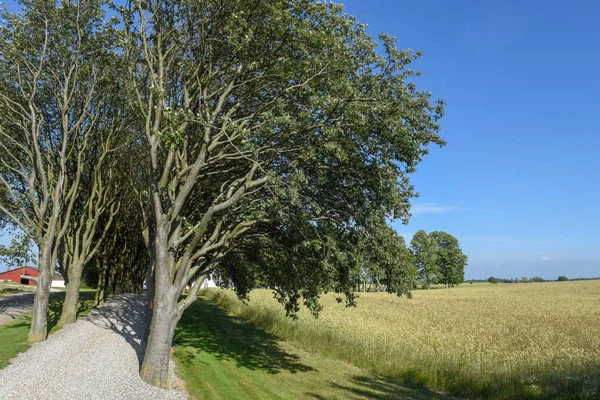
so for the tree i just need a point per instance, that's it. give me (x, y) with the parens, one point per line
(95, 208)
(279, 122)
(450, 259)
(19, 253)
(382, 260)
(562, 278)
(52, 70)
(491, 279)
(424, 248)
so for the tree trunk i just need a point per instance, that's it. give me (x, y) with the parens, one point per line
(112, 282)
(39, 320)
(99, 299)
(149, 300)
(155, 367)
(70, 306)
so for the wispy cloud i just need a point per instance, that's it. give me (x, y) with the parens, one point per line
(546, 259)
(432, 208)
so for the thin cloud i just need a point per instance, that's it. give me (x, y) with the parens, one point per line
(431, 208)
(434, 208)
(546, 259)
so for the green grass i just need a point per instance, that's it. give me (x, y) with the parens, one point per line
(13, 334)
(7, 288)
(219, 356)
(535, 341)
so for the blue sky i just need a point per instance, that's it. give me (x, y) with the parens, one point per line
(518, 182)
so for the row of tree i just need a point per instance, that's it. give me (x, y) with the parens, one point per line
(524, 279)
(255, 141)
(434, 258)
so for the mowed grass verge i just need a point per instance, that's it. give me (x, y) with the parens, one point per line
(500, 341)
(13, 334)
(7, 289)
(219, 356)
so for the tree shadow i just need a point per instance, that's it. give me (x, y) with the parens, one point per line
(381, 387)
(206, 327)
(13, 306)
(55, 305)
(125, 315)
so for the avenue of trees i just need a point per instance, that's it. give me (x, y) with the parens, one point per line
(254, 141)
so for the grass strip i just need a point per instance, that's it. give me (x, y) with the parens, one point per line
(220, 356)
(13, 334)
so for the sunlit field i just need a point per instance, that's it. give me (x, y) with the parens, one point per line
(536, 340)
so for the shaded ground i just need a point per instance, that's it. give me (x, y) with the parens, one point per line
(221, 357)
(95, 358)
(14, 306)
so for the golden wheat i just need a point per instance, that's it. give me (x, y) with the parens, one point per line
(488, 340)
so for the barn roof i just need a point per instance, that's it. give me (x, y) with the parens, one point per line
(15, 269)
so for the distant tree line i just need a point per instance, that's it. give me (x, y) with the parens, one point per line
(524, 279)
(434, 258)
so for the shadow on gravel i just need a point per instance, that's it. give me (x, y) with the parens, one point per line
(13, 306)
(208, 328)
(125, 315)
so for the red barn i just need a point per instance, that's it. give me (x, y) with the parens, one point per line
(14, 275)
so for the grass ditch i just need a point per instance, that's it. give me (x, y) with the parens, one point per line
(220, 356)
(13, 334)
(486, 341)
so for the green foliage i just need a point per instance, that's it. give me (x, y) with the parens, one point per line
(387, 261)
(562, 278)
(450, 259)
(424, 249)
(19, 253)
(329, 121)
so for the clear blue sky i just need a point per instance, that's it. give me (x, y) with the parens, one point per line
(518, 183)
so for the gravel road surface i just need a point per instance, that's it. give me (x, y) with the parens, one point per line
(98, 357)
(15, 305)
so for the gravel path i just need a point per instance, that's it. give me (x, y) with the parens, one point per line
(98, 357)
(15, 305)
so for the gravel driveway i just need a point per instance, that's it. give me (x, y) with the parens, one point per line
(15, 305)
(98, 357)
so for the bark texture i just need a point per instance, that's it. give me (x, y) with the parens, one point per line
(39, 323)
(70, 306)
(155, 367)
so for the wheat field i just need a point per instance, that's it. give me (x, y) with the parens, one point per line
(536, 340)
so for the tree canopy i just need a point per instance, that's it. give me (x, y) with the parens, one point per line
(450, 259)
(424, 248)
(273, 141)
